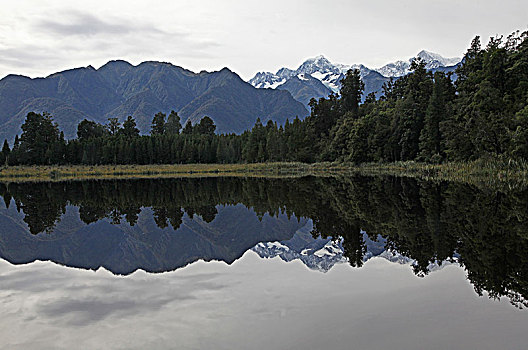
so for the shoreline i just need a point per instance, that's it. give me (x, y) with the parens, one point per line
(488, 173)
(53, 173)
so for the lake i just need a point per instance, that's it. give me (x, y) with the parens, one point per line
(344, 262)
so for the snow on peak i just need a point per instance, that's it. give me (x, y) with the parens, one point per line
(430, 57)
(432, 60)
(323, 253)
(285, 73)
(319, 67)
(320, 60)
(317, 64)
(331, 248)
(330, 74)
(265, 80)
(303, 76)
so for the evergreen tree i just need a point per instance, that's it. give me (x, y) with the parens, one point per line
(206, 126)
(250, 151)
(39, 132)
(438, 109)
(188, 129)
(324, 115)
(158, 124)
(5, 153)
(352, 88)
(88, 129)
(129, 129)
(411, 109)
(173, 125)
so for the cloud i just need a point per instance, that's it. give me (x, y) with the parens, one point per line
(26, 56)
(84, 24)
(44, 44)
(85, 312)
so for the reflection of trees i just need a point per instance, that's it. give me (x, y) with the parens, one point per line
(428, 222)
(40, 200)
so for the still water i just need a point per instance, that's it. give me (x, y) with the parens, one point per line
(233, 263)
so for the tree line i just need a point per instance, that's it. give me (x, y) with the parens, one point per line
(480, 110)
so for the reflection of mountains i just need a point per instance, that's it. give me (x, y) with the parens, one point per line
(322, 254)
(124, 248)
(106, 223)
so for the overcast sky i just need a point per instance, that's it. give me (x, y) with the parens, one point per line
(40, 37)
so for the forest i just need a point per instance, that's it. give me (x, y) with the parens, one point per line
(479, 111)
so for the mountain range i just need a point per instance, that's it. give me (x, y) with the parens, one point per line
(318, 77)
(119, 89)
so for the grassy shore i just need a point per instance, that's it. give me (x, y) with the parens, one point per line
(493, 173)
(81, 172)
(489, 173)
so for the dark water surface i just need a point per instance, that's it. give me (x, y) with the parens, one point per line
(233, 263)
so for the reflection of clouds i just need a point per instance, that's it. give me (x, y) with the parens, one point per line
(253, 303)
(68, 297)
(83, 312)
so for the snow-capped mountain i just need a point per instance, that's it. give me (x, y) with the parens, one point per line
(266, 80)
(318, 67)
(323, 253)
(432, 61)
(316, 77)
(330, 75)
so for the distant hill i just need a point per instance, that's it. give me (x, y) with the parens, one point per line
(119, 89)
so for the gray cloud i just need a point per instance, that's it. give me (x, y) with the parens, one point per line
(72, 39)
(84, 24)
(84, 312)
(26, 56)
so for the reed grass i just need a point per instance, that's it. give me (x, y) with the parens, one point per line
(81, 172)
(492, 172)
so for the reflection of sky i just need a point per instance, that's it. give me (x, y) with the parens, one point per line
(253, 304)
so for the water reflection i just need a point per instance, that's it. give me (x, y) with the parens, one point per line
(251, 304)
(160, 225)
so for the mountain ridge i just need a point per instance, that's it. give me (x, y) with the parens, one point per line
(118, 89)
